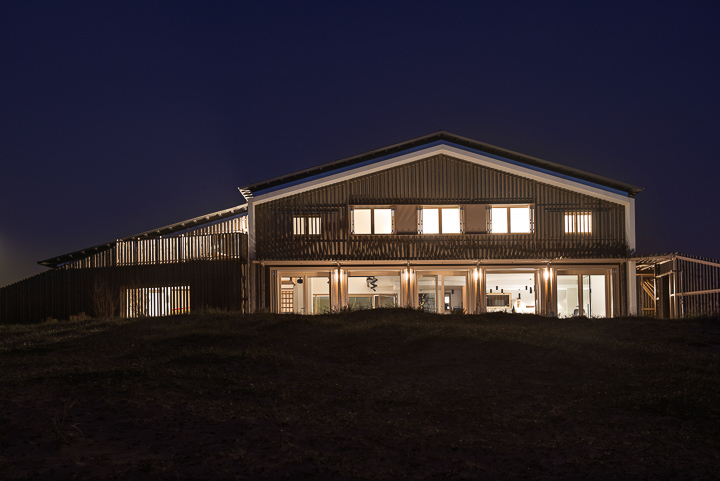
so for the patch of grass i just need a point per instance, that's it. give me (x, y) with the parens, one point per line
(370, 394)
(63, 430)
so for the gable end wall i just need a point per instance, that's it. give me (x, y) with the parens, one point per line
(440, 179)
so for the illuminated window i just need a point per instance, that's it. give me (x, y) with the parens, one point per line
(578, 223)
(362, 221)
(157, 301)
(451, 221)
(383, 221)
(512, 220)
(306, 225)
(520, 220)
(499, 220)
(446, 220)
(376, 220)
(298, 225)
(430, 221)
(314, 225)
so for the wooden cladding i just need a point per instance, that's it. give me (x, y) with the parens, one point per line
(406, 219)
(167, 250)
(438, 247)
(476, 221)
(238, 225)
(110, 291)
(439, 180)
(181, 249)
(208, 271)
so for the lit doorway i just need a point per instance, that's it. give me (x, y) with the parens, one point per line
(304, 293)
(582, 294)
(373, 289)
(442, 292)
(512, 292)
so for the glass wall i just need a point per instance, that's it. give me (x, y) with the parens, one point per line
(442, 292)
(568, 296)
(594, 295)
(373, 290)
(427, 292)
(582, 295)
(511, 292)
(304, 294)
(320, 294)
(454, 293)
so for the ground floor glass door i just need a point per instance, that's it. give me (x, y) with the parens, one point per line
(568, 296)
(304, 294)
(427, 293)
(512, 292)
(582, 295)
(373, 291)
(593, 289)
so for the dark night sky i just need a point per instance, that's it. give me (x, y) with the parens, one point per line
(116, 118)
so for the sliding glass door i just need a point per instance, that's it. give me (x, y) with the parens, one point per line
(582, 295)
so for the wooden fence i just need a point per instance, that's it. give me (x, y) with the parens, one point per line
(674, 285)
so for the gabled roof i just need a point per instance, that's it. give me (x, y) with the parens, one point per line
(441, 136)
(159, 232)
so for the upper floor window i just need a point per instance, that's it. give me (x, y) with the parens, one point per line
(306, 225)
(511, 220)
(440, 220)
(578, 223)
(372, 220)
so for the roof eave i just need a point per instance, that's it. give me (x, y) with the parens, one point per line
(629, 189)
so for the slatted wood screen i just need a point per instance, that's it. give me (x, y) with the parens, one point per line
(438, 180)
(217, 281)
(699, 283)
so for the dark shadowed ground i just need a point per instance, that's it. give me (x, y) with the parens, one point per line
(376, 394)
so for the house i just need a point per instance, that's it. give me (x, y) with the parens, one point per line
(441, 223)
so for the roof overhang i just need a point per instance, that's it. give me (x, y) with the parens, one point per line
(272, 190)
(452, 140)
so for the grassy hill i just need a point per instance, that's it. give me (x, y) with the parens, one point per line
(375, 394)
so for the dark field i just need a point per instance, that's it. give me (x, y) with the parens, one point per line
(374, 394)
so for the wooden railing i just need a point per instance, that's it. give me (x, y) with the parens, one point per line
(181, 249)
(436, 247)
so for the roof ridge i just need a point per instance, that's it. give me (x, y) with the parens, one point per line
(441, 135)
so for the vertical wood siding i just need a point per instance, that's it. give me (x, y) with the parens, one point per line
(214, 282)
(438, 180)
(237, 225)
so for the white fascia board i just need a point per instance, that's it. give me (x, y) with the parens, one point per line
(630, 224)
(485, 160)
(251, 228)
(480, 159)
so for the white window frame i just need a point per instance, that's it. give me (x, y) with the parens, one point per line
(372, 209)
(508, 212)
(440, 208)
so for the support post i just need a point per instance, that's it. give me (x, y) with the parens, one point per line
(632, 288)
